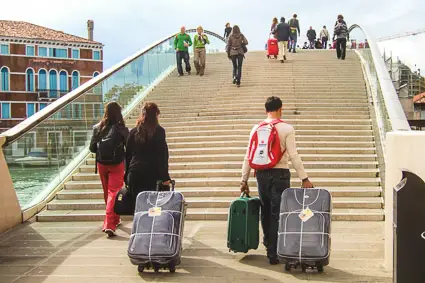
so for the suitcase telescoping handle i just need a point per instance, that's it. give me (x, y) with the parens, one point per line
(245, 195)
(159, 184)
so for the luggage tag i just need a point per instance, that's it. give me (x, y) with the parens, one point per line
(154, 211)
(306, 214)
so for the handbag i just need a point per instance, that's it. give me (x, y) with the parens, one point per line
(244, 48)
(125, 202)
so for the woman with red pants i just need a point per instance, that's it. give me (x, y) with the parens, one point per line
(108, 142)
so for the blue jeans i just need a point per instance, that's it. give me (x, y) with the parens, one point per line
(271, 184)
(293, 37)
(182, 55)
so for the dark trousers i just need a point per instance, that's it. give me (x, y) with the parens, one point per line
(237, 61)
(312, 41)
(271, 184)
(185, 56)
(294, 39)
(341, 47)
(324, 43)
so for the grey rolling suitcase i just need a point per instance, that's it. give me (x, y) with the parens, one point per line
(156, 237)
(304, 228)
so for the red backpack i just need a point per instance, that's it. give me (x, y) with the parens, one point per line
(264, 146)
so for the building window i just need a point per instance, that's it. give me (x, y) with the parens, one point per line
(75, 80)
(53, 84)
(63, 81)
(58, 52)
(30, 80)
(97, 110)
(96, 55)
(42, 51)
(4, 79)
(4, 49)
(77, 111)
(30, 109)
(42, 80)
(5, 111)
(43, 105)
(75, 54)
(30, 50)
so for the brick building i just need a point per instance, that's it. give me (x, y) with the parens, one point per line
(39, 65)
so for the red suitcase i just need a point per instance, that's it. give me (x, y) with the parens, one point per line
(272, 48)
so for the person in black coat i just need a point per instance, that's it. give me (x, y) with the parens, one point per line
(147, 153)
(311, 35)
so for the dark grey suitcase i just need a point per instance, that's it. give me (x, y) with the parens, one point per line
(307, 243)
(156, 237)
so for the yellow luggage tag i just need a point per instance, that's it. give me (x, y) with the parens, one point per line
(306, 214)
(154, 211)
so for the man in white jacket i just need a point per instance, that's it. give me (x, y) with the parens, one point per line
(272, 182)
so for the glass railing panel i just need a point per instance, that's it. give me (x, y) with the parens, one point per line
(44, 157)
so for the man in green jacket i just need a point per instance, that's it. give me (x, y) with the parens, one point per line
(199, 42)
(181, 43)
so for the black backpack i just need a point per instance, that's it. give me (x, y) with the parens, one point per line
(110, 147)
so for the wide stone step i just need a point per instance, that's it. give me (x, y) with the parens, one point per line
(235, 181)
(225, 100)
(200, 214)
(189, 128)
(238, 165)
(211, 202)
(301, 150)
(364, 112)
(174, 123)
(201, 173)
(244, 132)
(257, 106)
(260, 116)
(74, 194)
(301, 144)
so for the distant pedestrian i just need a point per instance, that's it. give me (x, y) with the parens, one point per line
(342, 35)
(200, 40)
(282, 32)
(227, 32)
(236, 48)
(311, 35)
(294, 25)
(275, 22)
(182, 41)
(305, 46)
(324, 36)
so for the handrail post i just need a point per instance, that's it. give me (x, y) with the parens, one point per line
(10, 210)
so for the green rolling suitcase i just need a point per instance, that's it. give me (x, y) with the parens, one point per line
(243, 232)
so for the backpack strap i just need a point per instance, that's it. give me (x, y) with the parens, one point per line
(273, 123)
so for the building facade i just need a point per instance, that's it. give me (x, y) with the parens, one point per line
(39, 65)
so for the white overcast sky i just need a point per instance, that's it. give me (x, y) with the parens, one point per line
(125, 26)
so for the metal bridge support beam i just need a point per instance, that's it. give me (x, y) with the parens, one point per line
(10, 211)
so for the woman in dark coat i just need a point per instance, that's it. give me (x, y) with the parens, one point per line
(236, 48)
(147, 152)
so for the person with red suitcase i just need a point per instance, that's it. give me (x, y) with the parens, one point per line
(283, 32)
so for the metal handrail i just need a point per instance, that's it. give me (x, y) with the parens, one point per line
(19, 130)
(395, 111)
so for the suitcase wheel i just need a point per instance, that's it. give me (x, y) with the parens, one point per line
(156, 269)
(268, 56)
(172, 268)
(320, 268)
(140, 268)
(275, 56)
(287, 267)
